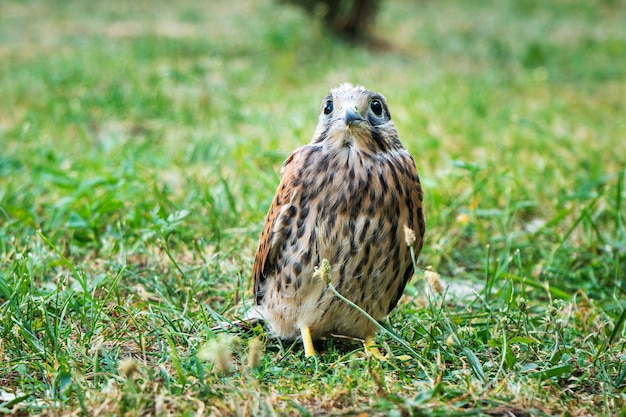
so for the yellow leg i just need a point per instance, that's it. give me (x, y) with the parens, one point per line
(309, 350)
(370, 347)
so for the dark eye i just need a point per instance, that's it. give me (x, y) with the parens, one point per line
(377, 107)
(328, 107)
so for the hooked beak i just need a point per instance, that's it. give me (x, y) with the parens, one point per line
(351, 117)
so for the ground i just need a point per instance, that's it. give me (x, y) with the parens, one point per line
(140, 146)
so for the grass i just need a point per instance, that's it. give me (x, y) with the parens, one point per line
(140, 146)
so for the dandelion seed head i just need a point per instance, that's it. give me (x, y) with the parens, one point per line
(128, 367)
(255, 351)
(409, 235)
(434, 279)
(322, 271)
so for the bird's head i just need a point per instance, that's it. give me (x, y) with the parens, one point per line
(356, 117)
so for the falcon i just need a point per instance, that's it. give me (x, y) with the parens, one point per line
(346, 197)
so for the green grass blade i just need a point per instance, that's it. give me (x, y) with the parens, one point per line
(618, 327)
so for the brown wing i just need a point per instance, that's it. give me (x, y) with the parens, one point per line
(412, 189)
(274, 230)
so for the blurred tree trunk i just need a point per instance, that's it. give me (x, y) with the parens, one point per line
(349, 19)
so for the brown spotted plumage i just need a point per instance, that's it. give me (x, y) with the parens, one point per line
(345, 197)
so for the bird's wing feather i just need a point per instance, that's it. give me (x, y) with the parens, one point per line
(417, 223)
(274, 231)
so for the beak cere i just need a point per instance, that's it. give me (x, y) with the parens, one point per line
(351, 117)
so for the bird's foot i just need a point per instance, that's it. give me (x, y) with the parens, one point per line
(309, 350)
(372, 349)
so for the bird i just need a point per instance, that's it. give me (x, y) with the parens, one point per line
(345, 198)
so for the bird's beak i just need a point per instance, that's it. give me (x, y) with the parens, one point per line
(352, 117)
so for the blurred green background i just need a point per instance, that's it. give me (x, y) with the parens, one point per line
(140, 146)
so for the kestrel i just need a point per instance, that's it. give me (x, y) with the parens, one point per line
(345, 197)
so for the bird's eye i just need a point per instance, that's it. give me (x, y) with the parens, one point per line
(377, 107)
(328, 107)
